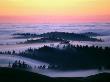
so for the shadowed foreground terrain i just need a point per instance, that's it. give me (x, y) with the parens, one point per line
(16, 75)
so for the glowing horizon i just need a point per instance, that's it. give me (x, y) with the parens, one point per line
(54, 11)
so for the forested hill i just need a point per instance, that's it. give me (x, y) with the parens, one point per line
(69, 36)
(60, 35)
(70, 57)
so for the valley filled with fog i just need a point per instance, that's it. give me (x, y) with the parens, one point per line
(9, 42)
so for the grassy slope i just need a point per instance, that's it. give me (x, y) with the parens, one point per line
(15, 75)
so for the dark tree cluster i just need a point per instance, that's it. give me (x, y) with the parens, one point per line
(41, 40)
(21, 65)
(71, 57)
(61, 35)
(69, 36)
(91, 34)
(8, 52)
(24, 35)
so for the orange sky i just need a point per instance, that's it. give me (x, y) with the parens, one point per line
(54, 11)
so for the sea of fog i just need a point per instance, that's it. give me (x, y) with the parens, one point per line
(6, 31)
(7, 43)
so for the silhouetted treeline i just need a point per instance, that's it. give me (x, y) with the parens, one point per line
(24, 35)
(61, 35)
(71, 57)
(69, 36)
(20, 65)
(91, 34)
(8, 52)
(41, 40)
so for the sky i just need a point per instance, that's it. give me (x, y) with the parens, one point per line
(54, 11)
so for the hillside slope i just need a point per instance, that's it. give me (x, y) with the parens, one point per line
(15, 75)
